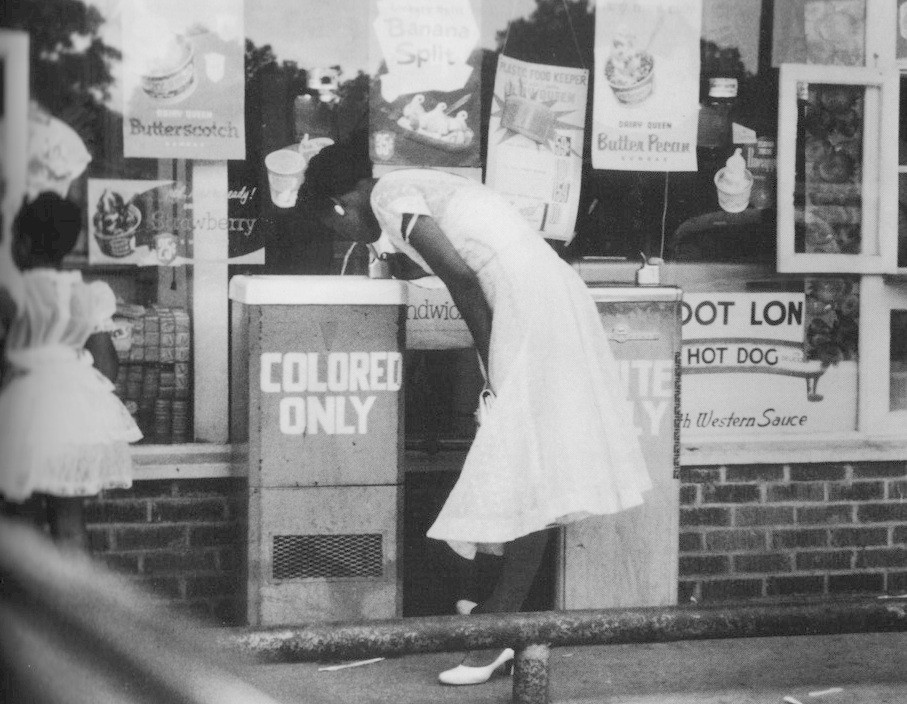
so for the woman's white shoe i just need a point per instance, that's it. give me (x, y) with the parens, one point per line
(464, 607)
(467, 674)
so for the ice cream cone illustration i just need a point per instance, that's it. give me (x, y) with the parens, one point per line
(734, 183)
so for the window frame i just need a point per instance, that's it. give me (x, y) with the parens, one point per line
(879, 187)
(879, 296)
(14, 55)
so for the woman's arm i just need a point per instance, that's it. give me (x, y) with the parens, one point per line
(462, 283)
(105, 355)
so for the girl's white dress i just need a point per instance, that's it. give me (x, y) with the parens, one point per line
(63, 431)
(559, 444)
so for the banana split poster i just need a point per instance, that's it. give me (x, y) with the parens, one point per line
(746, 370)
(425, 102)
(645, 103)
(183, 78)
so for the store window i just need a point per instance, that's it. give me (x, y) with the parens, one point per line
(677, 215)
(307, 77)
(883, 398)
(897, 376)
(138, 231)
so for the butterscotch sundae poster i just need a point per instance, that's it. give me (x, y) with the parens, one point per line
(535, 142)
(183, 65)
(425, 101)
(645, 105)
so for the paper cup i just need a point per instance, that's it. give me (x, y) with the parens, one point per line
(285, 170)
(166, 247)
(733, 201)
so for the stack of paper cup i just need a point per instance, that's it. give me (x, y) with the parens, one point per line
(285, 171)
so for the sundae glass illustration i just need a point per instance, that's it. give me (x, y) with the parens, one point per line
(168, 68)
(734, 183)
(629, 70)
(438, 124)
(115, 223)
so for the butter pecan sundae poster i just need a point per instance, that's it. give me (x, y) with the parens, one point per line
(425, 100)
(183, 78)
(645, 105)
(535, 142)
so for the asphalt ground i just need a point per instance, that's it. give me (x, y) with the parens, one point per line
(840, 669)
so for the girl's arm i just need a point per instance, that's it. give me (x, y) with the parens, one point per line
(7, 309)
(105, 355)
(461, 281)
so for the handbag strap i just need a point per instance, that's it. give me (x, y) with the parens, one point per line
(482, 368)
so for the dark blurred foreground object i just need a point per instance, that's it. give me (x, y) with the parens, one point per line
(73, 633)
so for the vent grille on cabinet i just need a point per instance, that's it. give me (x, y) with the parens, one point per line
(327, 556)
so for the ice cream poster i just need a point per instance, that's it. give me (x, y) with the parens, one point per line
(183, 79)
(425, 100)
(143, 223)
(535, 142)
(745, 370)
(645, 105)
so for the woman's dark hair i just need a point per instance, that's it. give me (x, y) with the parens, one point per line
(337, 168)
(45, 230)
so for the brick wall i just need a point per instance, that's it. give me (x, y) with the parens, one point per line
(749, 531)
(746, 531)
(181, 540)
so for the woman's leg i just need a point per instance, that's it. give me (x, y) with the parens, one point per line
(522, 559)
(521, 562)
(67, 525)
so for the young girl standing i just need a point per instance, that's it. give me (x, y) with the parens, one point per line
(63, 431)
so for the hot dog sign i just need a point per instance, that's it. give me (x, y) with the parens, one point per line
(745, 370)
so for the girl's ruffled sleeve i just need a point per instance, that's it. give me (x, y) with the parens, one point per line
(103, 306)
(393, 197)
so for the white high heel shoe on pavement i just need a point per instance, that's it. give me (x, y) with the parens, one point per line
(464, 607)
(467, 674)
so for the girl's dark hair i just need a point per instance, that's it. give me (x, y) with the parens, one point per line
(45, 230)
(337, 168)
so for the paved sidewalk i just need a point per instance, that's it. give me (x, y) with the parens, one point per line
(848, 669)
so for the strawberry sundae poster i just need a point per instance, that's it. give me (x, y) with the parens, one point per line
(645, 106)
(183, 79)
(535, 142)
(425, 100)
(155, 223)
(144, 223)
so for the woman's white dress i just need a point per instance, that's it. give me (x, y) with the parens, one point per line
(63, 430)
(559, 444)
